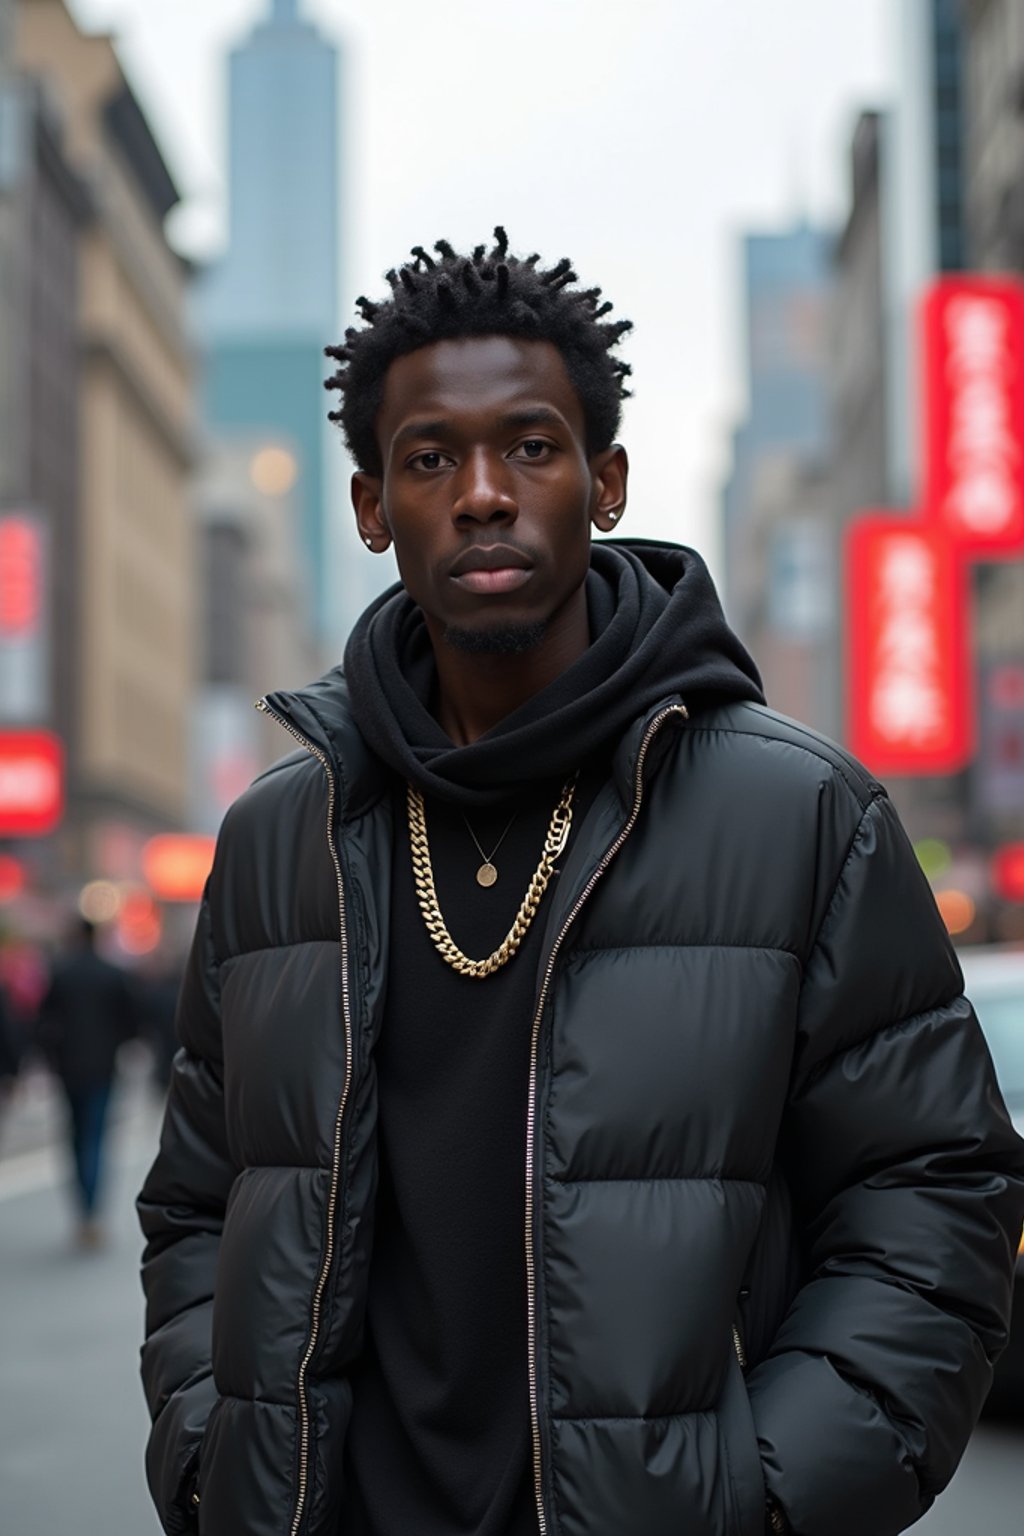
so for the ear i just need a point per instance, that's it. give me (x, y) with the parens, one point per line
(609, 471)
(366, 499)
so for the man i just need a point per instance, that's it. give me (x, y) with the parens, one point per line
(579, 1127)
(86, 1014)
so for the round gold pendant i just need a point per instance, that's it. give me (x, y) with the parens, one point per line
(486, 874)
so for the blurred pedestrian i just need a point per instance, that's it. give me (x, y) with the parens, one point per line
(24, 978)
(158, 992)
(579, 1125)
(10, 1054)
(87, 1013)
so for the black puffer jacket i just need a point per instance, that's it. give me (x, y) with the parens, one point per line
(773, 1195)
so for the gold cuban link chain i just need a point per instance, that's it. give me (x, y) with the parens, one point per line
(423, 873)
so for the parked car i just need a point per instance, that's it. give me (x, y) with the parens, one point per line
(994, 982)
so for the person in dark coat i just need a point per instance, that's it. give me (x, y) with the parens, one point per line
(10, 1055)
(87, 1013)
(157, 996)
(579, 1127)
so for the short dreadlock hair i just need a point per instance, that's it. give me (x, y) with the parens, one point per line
(489, 293)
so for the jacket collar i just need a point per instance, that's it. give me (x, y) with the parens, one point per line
(322, 714)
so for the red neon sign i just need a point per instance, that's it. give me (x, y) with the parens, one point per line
(176, 865)
(1008, 871)
(973, 377)
(12, 877)
(21, 563)
(908, 630)
(31, 783)
(910, 695)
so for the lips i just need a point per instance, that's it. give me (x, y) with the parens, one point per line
(492, 568)
(491, 557)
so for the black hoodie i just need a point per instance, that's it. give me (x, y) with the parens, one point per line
(439, 1441)
(656, 628)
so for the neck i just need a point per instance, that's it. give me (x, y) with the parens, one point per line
(477, 692)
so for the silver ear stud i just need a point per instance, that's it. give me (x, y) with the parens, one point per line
(368, 541)
(613, 517)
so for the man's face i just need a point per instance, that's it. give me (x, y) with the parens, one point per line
(487, 493)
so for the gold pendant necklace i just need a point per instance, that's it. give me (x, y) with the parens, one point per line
(423, 875)
(487, 874)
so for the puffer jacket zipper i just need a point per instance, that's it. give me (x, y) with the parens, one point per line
(777, 1523)
(332, 1196)
(531, 1112)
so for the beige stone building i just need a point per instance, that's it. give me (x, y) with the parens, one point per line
(133, 656)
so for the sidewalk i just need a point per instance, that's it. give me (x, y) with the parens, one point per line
(73, 1421)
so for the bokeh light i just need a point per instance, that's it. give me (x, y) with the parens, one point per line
(139, 923)
(933, 855)
(12, 877)
(273, 471)
(99, 901)
(957, 909)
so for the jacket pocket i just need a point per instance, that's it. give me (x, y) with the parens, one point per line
(739, 1448)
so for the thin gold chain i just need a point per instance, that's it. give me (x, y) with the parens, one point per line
(423, 874)
(488, 857)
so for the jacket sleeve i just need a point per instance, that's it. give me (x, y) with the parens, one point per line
(181, 1209)
(908, 1183)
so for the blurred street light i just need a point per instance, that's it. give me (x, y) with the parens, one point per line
(273, 471)
(957, 909)
(1008, 872)
(99, 901)
(176, 866)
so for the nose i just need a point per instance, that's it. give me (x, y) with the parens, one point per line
(483, 491)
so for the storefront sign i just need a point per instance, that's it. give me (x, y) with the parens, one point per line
(31, 783)
(24, 618)
(973, 377)
(909, 700)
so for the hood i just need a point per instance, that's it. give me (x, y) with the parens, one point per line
(657, 632)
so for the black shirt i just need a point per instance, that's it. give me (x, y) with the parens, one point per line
(440, 1440)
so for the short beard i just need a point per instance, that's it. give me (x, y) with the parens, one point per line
(508, 640)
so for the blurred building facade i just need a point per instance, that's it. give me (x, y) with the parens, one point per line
(268, 307)
(922, 230)
(935, 188)
(993, 150)
(776, 501)
(994, 136)
(256, 601)
(44, 208)
(904, 217)
(103, 373)
(858, 383)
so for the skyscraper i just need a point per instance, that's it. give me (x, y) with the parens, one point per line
(775, 510)
(270, 304)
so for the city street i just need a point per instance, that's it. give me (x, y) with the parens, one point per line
(72, 1415)
(72, 1419)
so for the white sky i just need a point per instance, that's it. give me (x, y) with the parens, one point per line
(639, 138)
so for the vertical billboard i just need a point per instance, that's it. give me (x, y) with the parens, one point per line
(24, 618)
(973, 383)
(31, 783)
(910, 707)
